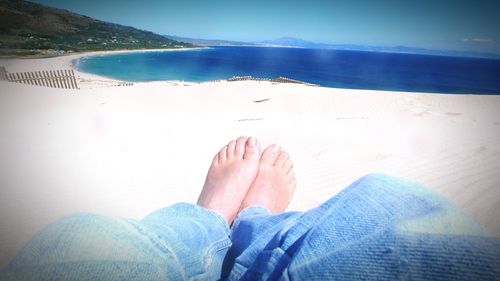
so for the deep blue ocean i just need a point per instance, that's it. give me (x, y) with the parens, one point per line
(329, 68)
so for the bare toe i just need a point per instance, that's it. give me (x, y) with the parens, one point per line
(222, 154)
(270, 154)
(282, 158)
(239, 149)
(288, 166)
(252, 149)
(230, 149)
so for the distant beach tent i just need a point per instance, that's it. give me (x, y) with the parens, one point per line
(63, 78)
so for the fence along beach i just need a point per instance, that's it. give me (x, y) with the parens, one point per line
(62, 78)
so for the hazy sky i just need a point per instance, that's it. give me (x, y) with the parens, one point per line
(436, 24)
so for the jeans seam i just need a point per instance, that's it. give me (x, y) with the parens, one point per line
(216, 247)
(157, 243)
(218, 217)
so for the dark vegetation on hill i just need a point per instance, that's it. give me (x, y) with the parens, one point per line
(28, 28)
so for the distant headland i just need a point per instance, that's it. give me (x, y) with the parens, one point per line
(29, 29)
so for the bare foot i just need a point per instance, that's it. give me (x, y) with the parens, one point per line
(275, 182)
(232, 172)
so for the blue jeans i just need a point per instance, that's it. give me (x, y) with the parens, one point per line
(378, 228)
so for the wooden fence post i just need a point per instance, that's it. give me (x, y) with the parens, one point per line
(3, 74)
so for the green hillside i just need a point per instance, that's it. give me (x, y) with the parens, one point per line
(28, 28)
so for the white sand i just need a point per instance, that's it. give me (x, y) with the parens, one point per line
(127, 151)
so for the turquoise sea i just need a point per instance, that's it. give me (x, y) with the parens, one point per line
(329, 68)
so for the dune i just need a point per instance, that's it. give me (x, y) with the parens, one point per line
(129, 150)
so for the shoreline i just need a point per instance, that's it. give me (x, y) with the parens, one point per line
(102, 53)
(68, 61)
(90, 80)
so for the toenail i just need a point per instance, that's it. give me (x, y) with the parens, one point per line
(252, 141)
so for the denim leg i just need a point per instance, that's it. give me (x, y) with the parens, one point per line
(180, 242)
(251, 230)
(379, 228)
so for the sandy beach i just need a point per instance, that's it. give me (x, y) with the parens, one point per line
(129, 150)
